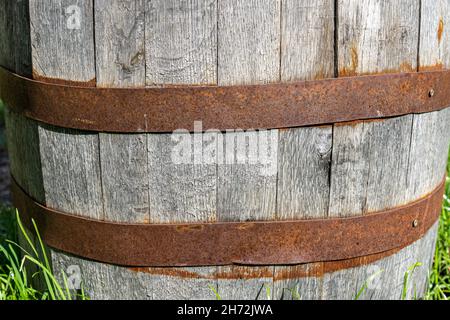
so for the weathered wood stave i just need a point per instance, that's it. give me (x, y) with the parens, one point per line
(323, 171)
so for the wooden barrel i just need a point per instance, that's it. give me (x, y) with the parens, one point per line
(328, 171)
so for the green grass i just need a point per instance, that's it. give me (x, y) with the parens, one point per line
(440, 274)
(22, 270)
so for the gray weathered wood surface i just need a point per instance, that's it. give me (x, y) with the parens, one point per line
(304, 159)
(22, 133)
(369, 161)
(244, 193)
(120, 62)
(327, 171)
(62, 42)
(180, 49)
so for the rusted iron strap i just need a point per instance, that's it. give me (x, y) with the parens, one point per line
(233, 107)
(247, 243)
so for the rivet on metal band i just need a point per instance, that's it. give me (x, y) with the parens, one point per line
(243, 243)
(270, 106)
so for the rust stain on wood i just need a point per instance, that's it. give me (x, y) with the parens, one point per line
(357, 122)
(249, 272)
(436, 67)
(235, 273)
(171, 272)
(440, 29)
(90, 83)
(406, 67)
(299, 271)
(322, 74)
(352, 69)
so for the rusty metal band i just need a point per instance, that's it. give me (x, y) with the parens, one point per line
(243, 243)
(284, 105)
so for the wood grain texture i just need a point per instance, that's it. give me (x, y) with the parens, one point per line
(107, 179)
(23, 151)
(245, 58)
(246, 182)
(430, 135)
(124, 172)
(307, 52)
(25, 166)
(363, 163)
(126, 161)
(15, 37)
(70, 159)
(244, 191)
(428, 153)
(434, 48)
(303, 173)
(72, 184)
(385, 278)
(369, 166)
(23, 140)
(7, 34)
(171, 284)
(377, 36)
(181, 42)
(22, 133)
(373, 37)
(358, 150)
(247, 283)
(120, 43)
(430, 131)
(181, 49)
(181, 46)
(290, 286)
(101, 281)
(370, 159)
(307, 40)
(349, 170)
(125, 177)
(22, 47)
(184, 192)
(72, 156)
(120, 62)
(387, 174)
(62, 39)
